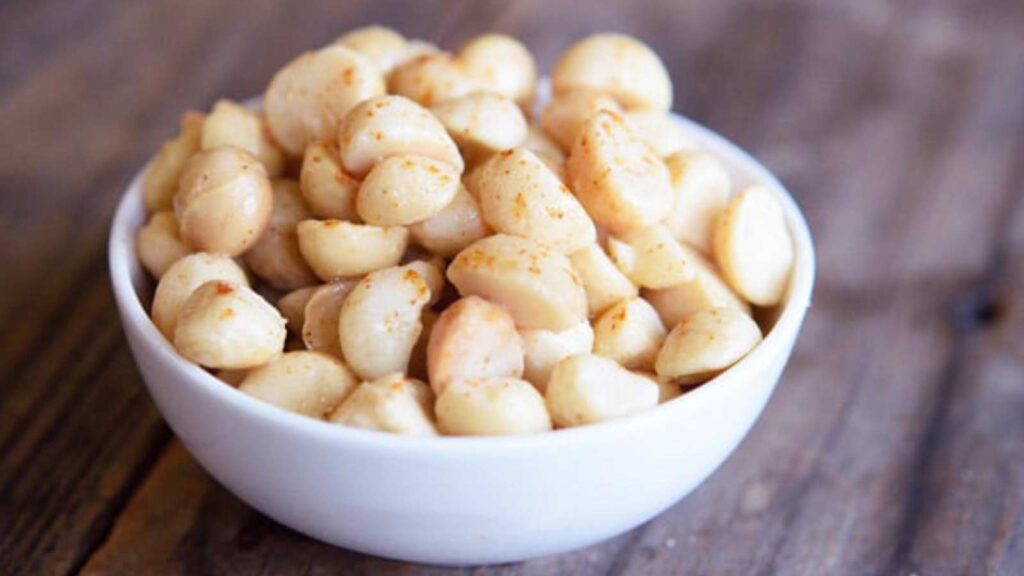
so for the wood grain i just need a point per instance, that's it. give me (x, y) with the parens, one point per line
(894, 444)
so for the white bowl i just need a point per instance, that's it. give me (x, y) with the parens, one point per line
(461, 500)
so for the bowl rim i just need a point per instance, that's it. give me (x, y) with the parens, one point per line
(121, 253)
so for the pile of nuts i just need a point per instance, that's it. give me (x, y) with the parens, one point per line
(441, 260)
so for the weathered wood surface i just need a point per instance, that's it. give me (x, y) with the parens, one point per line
(895, 442)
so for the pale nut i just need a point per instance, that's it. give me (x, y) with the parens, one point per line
(227, 325)
(308, 98)
(432, 78)
(705, 290)
(231, 124)
(390, 125)
(293, 307)
(275, 258)
(652, 258)
(160, 179)
(224, 201)
(535, 284)
(521, 196)
(158, 243)
(406, 189)
(630, 333)
(337, 249)
(482, 123)
(449, 231)
(304, 382)
(618, 179)
(753, 247)
(473, 339)
(706, 343)
(329, 191)
(491, 407)
(393, 404)
(660, 131)
(564, 117)
(502, 64)
(545, 349)
(182, 278)
(382, 46)
(585, 389)
(619, 65)
(702, 186)
(320, 317)
(604, 283)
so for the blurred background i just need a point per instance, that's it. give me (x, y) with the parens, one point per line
(894, 443)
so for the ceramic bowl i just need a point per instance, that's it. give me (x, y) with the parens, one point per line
(458, 501)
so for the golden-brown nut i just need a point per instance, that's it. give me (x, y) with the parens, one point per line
(604, 283)
(321, 314)
(158, 243)
(652, 258)
(329, 191)
(382, 46)
(473, 339)
(545, 349)
(564, 117)
(705, 343)
(392, 404)
(519, 195)
(276, 259)
(630, 333)
(224, 201)
(660, 131)
(405, 189)
(491, 407)
(307, 99)
(336, 249)
(702, 188)
(586, 388)
(380, 321)
(618, 65)
(619, 180)
(431, 78)
(502, 64)
(535, 284)
(293, 307)
(160, 181)
(182, 278)
(449, 231)
(227, 325)
(704, 291)
(390, 125)
(230, 124)
(753, 247)
(482, 123)
(309, 383)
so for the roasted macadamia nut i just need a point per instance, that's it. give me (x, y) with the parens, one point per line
(630, 333)
(538, 142)
(406, 189)
(382, 46)
(380, 321)
(604, 283)
(393, 404)
(321, 314)
(473, 339)
(521, 196)
(535, 284)
(449, 231)
(502, 64)
(158, 243)
(293, 307)
(275, 258)
(336, 249)
(702, 187)
(705, 343)
(307, 99)
(616, 64)
(651, 257)
(659, 131)
(619, 180)
(545, 349)
(224, 201)
(231, 124)
(303, 382)
(182, 278)
(227, 325)
(563, 118)
(329, 191)
(585, 389)
(160, 180)
(705, 290)
(491, 407)
(482, 123)
(390, 125)
(753, 247)
(432, 78)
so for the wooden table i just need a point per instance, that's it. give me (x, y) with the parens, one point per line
(895, 441)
